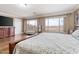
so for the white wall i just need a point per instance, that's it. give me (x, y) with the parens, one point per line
(18, 26)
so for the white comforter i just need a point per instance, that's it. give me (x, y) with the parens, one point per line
(49, 43)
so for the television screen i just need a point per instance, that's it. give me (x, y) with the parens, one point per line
(6, 21)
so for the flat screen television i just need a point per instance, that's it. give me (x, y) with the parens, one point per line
(6, 21)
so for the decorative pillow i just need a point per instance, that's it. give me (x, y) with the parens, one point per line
(76, 34)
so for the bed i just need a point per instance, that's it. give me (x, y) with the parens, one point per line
(49, 43)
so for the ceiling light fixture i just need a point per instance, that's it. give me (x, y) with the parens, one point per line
(23, 5)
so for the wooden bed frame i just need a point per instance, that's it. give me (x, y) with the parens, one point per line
(13, 43)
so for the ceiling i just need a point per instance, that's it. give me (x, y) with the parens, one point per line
(34, 10)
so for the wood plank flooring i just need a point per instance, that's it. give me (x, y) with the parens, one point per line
(4, 43)
(4, 46)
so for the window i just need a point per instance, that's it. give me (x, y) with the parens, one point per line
(31, 26)
(54, 24)
(61, 24)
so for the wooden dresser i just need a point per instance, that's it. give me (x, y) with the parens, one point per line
(7, 31)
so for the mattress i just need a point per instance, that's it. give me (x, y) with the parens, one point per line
(48, 43)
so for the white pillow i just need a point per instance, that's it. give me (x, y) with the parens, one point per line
(76, 34)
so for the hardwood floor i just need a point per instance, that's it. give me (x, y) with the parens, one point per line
(4, 43)
(4, 46)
